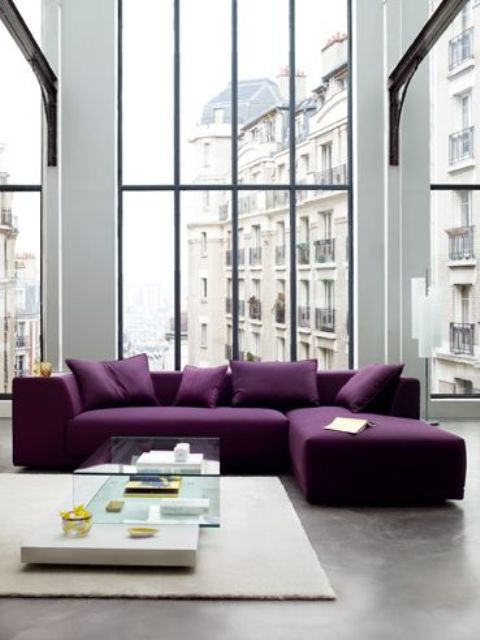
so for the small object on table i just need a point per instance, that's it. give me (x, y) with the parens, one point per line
(114, 506)
(142, 532)
(43, 369)
(181, 452)
(77, 522)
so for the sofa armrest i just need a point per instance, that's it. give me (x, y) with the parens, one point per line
(406, 401)
(41, 409)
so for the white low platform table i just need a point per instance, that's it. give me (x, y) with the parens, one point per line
(110, 544)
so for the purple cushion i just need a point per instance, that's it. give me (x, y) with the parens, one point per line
(200, 387)
(120, 383)
(277, 385)
(367, 384)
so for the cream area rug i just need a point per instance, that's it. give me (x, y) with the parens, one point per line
(261, 550)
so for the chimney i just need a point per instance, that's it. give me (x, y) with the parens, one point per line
(283, 81)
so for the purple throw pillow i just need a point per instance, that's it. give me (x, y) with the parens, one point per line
(200, 387)
(119, 383)
(274, 384)
(367, 384)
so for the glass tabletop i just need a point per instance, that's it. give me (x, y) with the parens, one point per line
(129, 455)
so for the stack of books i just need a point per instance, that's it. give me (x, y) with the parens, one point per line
(164, 462)
(153, 487)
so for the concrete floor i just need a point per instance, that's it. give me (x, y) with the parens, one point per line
(399, 573)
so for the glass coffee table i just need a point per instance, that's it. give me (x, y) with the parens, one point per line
(117, 487)
(133, 483)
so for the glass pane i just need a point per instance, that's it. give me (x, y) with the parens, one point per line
(264, 287)
(205, 91)
(453, 112)
(20, 105)
(322, 278)
(19, 285)
(148, 280)
(263, 91)
(206, 276)
(321, 120)
(454, 367)
(147, 92)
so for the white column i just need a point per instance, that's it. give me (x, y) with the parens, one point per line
(88, 178)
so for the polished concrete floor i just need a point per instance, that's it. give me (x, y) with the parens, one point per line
(399, 572)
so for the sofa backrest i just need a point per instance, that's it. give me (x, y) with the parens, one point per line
(401, 400)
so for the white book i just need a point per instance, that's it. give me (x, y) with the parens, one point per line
(348, 425)
(154, 459)
(184, 506)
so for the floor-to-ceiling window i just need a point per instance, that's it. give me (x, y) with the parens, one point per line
(235, 173)
(455, 196)
(20, 205)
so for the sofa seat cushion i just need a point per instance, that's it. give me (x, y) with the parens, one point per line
(252, 440)
(396, 459)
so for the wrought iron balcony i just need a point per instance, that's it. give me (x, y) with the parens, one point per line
(254, 309)
(325, 319)
(460, 48)
(7, 219)
(462, 336)
(223, 210)
(22, 342)
(280, 313)
(241, 307)
(255, 255)
(275, 199)
(304, 316)
(325, 250)
(248, 204)
(461, 145)
(228, 352)
(241, 257)
(334, 175)
(460, 243)
(228, 257)
(303, 253)
(280, 254)
(228, 305)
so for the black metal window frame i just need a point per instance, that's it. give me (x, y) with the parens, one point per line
(446, 186)
(177, 187)
(30, 188)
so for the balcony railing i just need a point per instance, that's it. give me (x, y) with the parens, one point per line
(280, 254)
(20, 373)
(280, 313)
(22, 342)
(255, 255)
(303, 253)
(460, 243)
(248, 204)
(325, 319)
(275, 199)
(460, 48)
(228, 305)
(7, 219)
(228, 352)
(461, 145)
(228, 257)
(304, 316)
(223, 210)
(462, 337)
(334, 175)
(325, 250)
(255, 309)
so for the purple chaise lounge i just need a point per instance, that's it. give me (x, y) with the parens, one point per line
(400, 458)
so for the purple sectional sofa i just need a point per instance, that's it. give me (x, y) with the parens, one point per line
(400, 458)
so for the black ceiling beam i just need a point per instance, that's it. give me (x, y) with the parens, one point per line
(401, 76)
(46, 77)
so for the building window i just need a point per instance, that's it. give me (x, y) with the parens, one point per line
(203, 288)
(203, 335)
(203, 243)
(192, 161)
(281, 349)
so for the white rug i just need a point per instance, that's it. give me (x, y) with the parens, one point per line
(260, 551)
